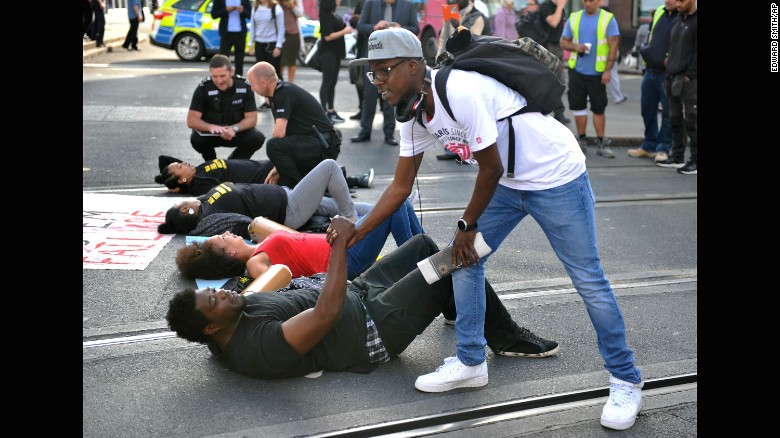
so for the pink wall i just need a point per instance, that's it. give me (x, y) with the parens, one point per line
(312, 9)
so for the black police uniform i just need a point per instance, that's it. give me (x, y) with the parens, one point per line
(301, 150)
(225, 109)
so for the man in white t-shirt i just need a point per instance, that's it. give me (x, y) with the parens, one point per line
(547, 180)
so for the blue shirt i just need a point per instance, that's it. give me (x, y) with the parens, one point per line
(586, 63)
(130, 11)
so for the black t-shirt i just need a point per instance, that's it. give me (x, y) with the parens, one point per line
(329, 23)
(545, 10)
(224, 109)
(300, 108)
(251, 200)
(212, 173)
(258, 348)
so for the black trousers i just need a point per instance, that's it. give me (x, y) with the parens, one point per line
(296, 155)
(403, 304)
(131, 40)
(99, 25)
(236, 40)
(245, 143)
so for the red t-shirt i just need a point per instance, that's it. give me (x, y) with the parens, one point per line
(304, 253)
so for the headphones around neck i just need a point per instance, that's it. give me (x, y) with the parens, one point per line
(408, 109)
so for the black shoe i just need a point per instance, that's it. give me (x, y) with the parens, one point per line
(356, 116)
(127, 48)
(335, 118)
(361, 138)
(447, 156)
(136, 49)
(390, 141)
(528, 345)
(100, 45)
(366, 180)
(690, 168)
(670, 163)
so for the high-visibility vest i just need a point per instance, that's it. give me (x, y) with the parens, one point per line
(657, 16)
(602, 47)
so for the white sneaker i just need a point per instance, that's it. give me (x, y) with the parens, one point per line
(453, 374)
(625, 400)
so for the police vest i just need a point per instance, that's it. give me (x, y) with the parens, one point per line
(602, 47)
(225, 108)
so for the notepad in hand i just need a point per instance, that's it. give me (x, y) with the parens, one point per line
(207, 134)
(439, 265)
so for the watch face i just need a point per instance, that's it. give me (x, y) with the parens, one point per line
(462, 225)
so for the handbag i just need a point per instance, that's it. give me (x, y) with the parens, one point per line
(313, 57)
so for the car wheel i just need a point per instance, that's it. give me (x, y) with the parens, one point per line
(189, 47)
(308, 43)
(430, 44)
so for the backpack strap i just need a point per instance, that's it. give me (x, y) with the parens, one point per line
(441, 88)
(441, 92)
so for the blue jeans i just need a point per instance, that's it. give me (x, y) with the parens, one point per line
(566, 215)
(653, 92)
(402, 224)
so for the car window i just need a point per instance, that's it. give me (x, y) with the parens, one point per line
(190, 5)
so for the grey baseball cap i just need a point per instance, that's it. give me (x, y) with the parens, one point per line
(395, 42)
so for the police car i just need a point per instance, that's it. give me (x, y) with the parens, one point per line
(186, 27)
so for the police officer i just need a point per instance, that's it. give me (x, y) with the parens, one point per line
(302, 136)
(223, 113)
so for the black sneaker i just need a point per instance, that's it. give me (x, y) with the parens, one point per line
(529, 345)
(366, 180)
(335, 118)
(670, 162)
(690, 168)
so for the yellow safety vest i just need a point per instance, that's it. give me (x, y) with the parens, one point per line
(602, 47)
(657, 16)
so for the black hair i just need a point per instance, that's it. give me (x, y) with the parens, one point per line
(206, 261)
(328, 5)
(184, 319)
(176, 222)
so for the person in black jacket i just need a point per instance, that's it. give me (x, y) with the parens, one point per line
(657, 141)
(681, 74)
(232, 16)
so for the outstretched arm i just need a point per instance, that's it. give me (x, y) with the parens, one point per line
(306, 329)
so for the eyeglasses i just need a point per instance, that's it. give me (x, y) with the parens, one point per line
(383, 73)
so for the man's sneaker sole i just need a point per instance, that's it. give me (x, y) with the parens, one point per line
(474, 382)
(669, 165)
(618, 426)
(543, 354)
(688, 172)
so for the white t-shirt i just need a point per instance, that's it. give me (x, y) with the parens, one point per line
(547, 154)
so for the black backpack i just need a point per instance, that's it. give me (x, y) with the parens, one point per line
(522, 65)
(530, 25)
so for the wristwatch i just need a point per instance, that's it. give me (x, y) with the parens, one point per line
(463, 226)
(235, 128)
